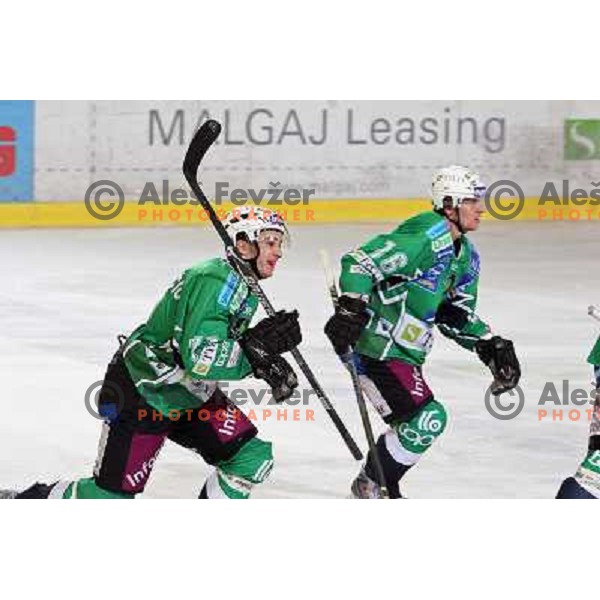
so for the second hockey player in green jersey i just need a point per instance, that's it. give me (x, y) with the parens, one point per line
(405, 276)
(396, 288)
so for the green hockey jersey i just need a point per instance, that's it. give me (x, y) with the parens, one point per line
(405, 275)
(594, 357)
(190, 340)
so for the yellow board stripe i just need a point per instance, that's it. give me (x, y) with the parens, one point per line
(75, 214)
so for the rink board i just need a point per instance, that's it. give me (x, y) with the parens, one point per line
(354, 210)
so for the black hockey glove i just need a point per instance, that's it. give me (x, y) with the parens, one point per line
(499, 355)
(273, 369)
(344, 328)
(277, 334)
(450, 315)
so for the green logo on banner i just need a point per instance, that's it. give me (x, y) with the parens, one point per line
(582, 139)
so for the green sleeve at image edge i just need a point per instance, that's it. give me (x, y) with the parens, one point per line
(594, 357)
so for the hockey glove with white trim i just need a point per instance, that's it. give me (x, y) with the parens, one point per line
(273, 369)
(346, 325)
(499, 355)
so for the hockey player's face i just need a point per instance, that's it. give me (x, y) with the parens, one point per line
(470, 212)
(270, 244)
(268, 252)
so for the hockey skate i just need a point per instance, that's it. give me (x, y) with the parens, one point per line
(364, 488)
(37, 491)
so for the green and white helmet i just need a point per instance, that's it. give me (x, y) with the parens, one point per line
(457, 183)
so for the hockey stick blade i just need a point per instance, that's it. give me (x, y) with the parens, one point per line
(203, 139)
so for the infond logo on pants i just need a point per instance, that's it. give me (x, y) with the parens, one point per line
(582, 139)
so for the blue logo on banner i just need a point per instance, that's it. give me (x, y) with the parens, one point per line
(16, 150)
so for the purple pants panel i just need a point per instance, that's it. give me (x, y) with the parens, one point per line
(412, 380)
(143, 452)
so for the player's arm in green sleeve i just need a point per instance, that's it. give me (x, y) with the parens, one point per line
(456, 317)
(594, 357)
(389, 255)
(207, 349)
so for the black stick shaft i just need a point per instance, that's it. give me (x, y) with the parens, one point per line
(360, 398)
(204, 137)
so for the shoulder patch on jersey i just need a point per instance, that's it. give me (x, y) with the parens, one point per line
(227, 290)
(437, 230)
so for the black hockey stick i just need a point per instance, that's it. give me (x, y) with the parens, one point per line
(360, 398)
(201, 142)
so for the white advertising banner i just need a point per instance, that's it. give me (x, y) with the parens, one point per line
(341, 149)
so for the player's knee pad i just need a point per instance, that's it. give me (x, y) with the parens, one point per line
(406, 441)
(235, 477)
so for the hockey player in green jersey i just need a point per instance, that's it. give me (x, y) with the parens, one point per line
(395, 289)
(586, 483)
(163, 382)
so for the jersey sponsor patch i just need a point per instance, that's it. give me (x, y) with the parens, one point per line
(394, 263)
(367, 263)
(413, 333)
(441, 243)
(223, 354)
(227, 290)
(437, 230)
(204, 353)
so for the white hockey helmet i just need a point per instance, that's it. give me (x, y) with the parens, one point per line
(457, 183)
(251, 221)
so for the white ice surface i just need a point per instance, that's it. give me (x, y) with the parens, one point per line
(65, 294)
